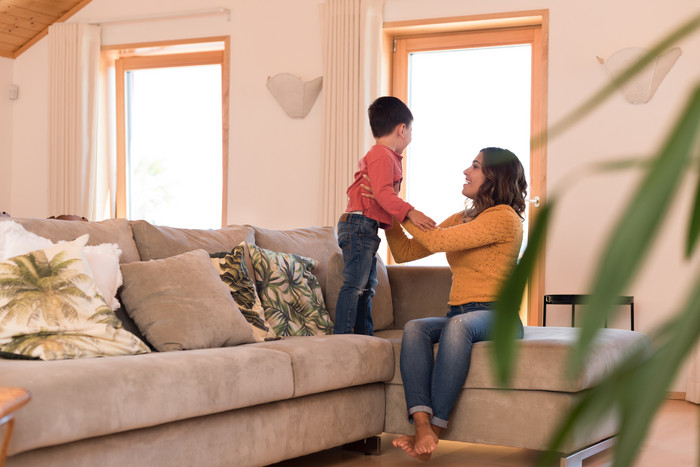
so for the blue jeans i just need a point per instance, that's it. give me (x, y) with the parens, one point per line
(357, 237)
(433, 386)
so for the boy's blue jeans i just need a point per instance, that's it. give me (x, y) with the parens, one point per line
(357, 237)
(433, 386)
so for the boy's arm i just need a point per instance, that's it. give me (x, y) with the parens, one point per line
(385, 192)
(380, 170)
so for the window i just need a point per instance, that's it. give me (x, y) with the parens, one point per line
(471, 82)
(172, 135)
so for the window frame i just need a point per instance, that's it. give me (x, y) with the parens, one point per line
(130, 59)
(402, 38)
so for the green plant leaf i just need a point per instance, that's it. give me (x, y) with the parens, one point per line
(638, 225)
(694, 225)
(510, 297)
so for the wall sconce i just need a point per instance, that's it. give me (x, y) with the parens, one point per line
(294, 95)
(641, 88)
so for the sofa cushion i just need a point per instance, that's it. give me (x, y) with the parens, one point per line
(543, 358)
(318, 243)
(325, 363)
(290, 294)
(157, 242)
(180, 303)
(87, 398)
(108, 231)
(382, 307)
(50, 308)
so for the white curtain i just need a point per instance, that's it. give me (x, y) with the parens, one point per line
(351, 81)
(74, 54)
(692, 390)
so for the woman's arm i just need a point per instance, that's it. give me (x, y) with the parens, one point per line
(498, 224)
(406, 249)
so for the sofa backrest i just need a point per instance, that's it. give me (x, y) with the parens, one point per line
(108, 231)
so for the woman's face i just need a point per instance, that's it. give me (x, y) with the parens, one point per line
(474, 177)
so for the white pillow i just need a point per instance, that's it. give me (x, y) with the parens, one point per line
(104, 264)
(15, 241)
(102, 260)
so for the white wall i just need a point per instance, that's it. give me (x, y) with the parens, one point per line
(275, 161)
(5, 134)
(274, 176)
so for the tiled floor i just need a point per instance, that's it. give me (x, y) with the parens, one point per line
(672, 442)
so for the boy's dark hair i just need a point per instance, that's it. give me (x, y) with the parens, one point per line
(387, 112)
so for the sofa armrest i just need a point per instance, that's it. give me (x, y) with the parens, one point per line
(418, 291)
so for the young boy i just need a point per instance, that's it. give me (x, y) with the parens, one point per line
(390, 121)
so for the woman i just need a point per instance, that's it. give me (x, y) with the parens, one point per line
(482, 245)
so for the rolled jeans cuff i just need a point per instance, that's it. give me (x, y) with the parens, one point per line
(419, 408)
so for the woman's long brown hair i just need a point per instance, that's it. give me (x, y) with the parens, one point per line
(504, 183)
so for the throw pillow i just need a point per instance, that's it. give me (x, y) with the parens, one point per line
(50, 308)
(103, 259)
(180, 303)
(234, 273)
(290, 293)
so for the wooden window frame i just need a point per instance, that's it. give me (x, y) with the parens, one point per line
(399, 39)
(129, 60)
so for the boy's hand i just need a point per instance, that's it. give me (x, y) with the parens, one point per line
(420, 220)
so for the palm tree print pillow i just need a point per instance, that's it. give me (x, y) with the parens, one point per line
(290, 294)
(50, 308)
(234, 273)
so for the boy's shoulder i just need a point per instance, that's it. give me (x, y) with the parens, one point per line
(381, 151)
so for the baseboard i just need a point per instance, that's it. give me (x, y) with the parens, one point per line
(679, 396)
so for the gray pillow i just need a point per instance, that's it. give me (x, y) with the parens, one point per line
(180, 303)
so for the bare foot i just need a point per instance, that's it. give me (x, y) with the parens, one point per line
(426, 439)
(407, 442)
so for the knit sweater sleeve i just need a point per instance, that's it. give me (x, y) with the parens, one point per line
(498, 224)
(405, 249)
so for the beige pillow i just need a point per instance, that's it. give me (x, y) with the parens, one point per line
(382, 304)
(180, 303)
(157, 242)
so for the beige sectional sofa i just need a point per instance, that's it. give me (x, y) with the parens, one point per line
(259, 403)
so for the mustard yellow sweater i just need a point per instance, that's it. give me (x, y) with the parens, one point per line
(480, 252)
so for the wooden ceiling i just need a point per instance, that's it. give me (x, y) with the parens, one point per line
(24, 22)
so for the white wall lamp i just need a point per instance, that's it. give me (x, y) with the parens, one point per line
(641, 88)
(295, 96)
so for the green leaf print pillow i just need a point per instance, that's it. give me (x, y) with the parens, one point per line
(290, 294)
(234, 273)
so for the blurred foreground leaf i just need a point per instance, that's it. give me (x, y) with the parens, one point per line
(638, 225)
(510, 297)
(637, 387)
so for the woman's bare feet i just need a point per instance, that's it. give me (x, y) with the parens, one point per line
(407, 442)
(424, 443)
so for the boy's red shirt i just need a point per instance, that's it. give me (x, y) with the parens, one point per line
(383, 166)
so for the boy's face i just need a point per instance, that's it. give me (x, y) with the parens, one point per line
(405, 133)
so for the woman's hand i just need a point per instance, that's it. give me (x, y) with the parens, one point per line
(367, 188)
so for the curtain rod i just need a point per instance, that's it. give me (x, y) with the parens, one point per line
(174, 15)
